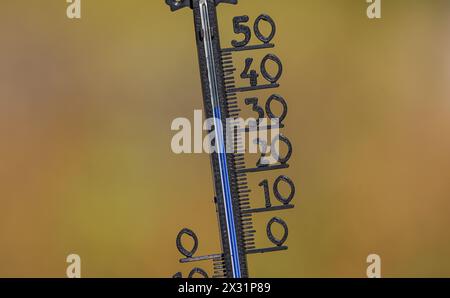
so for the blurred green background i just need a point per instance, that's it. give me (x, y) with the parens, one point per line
(85, 160)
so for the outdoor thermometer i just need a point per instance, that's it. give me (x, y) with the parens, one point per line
(223, 100)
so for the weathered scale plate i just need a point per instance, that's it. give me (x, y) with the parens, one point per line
(230, 170)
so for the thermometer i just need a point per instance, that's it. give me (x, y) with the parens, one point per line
(223, 101)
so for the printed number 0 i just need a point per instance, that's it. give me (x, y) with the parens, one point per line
(272, 238)
(259, 35)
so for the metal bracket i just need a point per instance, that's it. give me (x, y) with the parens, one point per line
(179, 4)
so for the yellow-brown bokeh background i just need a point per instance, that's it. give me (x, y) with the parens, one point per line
(85, 159)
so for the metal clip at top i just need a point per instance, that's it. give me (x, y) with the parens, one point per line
(178, 4)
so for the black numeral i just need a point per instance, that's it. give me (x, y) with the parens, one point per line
(272, 238)
(255, 107)
(264, 160)
(269, 112)
(253, 101)
(253, 75)
(285, 200)
(239, 28)
(266, 74)
(250, 74)
(181, 248)
(259, 35)
(265, 185)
